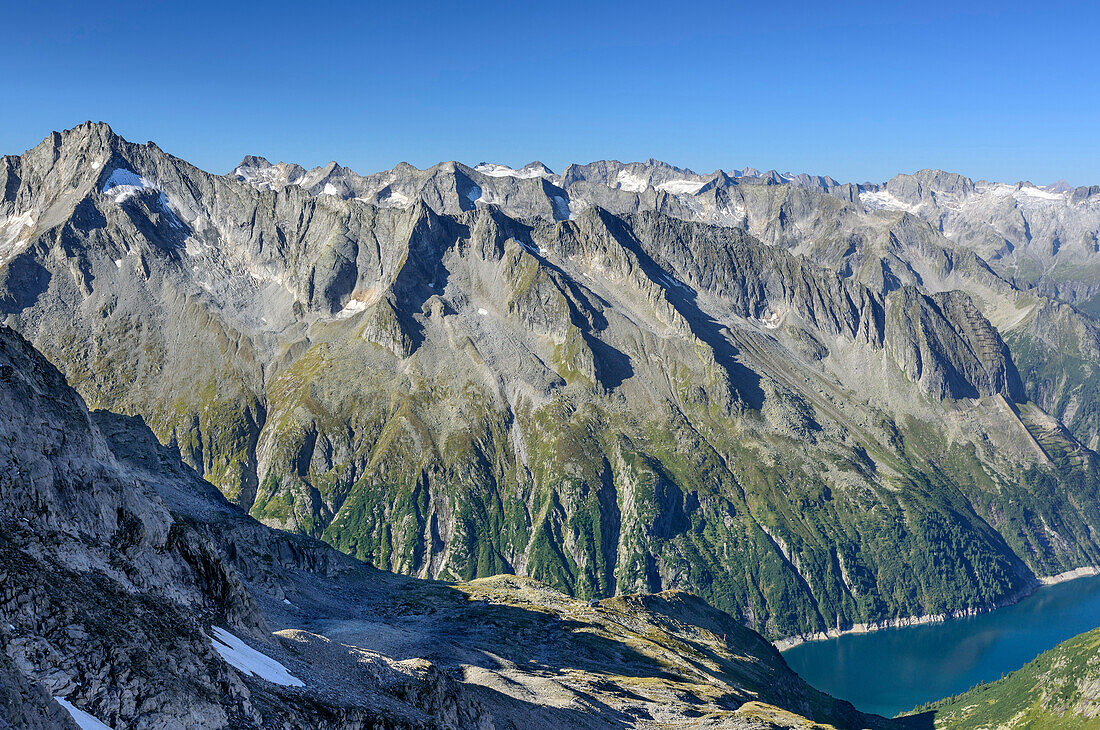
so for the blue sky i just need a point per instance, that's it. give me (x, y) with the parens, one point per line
(857, 90)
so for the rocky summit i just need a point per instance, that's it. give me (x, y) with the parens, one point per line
(817, 406)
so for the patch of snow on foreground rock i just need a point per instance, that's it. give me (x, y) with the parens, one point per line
(243, 657)
(83, 720)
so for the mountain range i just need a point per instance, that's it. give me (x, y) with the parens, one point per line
(818, 406)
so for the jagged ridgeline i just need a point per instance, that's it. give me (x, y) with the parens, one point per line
(610, 380)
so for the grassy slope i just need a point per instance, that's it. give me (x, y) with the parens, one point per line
(1059, 689)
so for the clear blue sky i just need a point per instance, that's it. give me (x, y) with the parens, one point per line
(858, 90)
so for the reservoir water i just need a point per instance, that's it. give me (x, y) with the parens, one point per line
(893, 670)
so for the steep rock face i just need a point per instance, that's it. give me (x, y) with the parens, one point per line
(935, 230)
(120, 569)
(893, 247)
(945, 343)
(75, 527)
(941, 342)
(1036, 235)
(610, 403)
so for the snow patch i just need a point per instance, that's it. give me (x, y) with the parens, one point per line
(124, 177)
(494, 170)
(83, 720)
(118, 263)
(736, 215)
(630, 182)
(1038, 195)
(482, 311)
(173, 219)
(474, 195)
(882, 200)
(773, 319)
(244, 658)
(353, 307)
(681, 187)
(395, 199)
(123, 184)
(330, 189)
(264, 178)
(13, 234)
(999, 189)
(12, 226)
(561, 205)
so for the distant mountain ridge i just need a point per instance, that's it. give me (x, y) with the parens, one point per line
(250, 165)
(259, 170)
(1038, 235)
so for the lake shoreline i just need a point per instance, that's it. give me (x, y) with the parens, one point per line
(897, 623)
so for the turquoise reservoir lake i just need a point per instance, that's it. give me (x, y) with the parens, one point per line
(893, 670)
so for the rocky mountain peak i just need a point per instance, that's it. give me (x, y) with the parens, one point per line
(537, 166)
(252, 162)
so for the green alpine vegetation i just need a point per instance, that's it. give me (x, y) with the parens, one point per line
(1059, 689)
